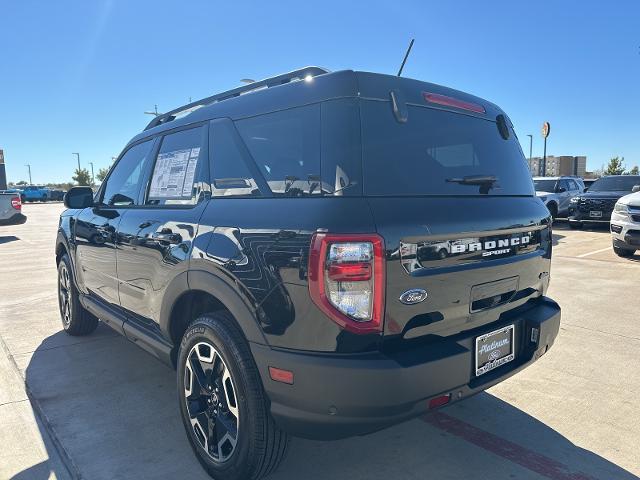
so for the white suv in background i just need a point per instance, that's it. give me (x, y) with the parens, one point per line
(557, 192)
(625, 225)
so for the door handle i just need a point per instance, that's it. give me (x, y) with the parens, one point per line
(167, 236)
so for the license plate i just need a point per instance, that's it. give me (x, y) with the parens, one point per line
(595, 213)
(494, 349)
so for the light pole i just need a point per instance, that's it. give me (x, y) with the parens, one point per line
(530, 146)
(93, 181)
(77, 155)
(29, 167)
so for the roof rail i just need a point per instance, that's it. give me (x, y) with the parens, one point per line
(281, 79)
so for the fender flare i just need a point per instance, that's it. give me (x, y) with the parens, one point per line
(204, 281)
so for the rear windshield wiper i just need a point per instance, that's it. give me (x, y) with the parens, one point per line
(485, 182)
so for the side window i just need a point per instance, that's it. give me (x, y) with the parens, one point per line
(565, 184)
(574, 185)
(285, 146)
(123, 184)
(178, 169)
(229, 171)
(341, 153)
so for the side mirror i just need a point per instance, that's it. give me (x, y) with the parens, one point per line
(636, 188)
(561, 190)
(586, 189)
(79, 197)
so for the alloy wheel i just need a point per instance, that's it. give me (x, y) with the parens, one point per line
(211, 402)
(64, 294)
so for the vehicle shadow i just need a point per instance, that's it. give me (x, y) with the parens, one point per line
(113, 409)
(8, 239)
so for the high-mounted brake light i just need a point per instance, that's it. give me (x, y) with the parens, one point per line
(452, 102)
(16, 203)
(346, 279)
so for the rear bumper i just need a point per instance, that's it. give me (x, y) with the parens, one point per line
(337, 396)
(15, 219)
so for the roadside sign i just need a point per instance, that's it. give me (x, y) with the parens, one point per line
(546, 129)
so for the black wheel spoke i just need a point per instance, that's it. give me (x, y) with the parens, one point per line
(198, 372)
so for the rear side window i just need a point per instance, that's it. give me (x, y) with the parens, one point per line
(123, 185)
(425, 155)
(178, 168)
(285, 146)
(230, 172)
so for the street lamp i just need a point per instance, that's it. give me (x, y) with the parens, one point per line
(29, 167)
(77, 155)
(530, 145)
(93, 181)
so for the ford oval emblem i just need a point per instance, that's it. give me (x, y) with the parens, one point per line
(413, 296)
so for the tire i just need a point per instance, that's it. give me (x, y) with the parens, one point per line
(442, 254)
(623, 252)
(44, 198)
(234, 382)
(553, 210)
(76, 320)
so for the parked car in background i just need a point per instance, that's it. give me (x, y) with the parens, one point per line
(11, 209)
(596, 204)
(36, 193)
(557, 192)
(57, 195)
(268, 246)
(625, 225)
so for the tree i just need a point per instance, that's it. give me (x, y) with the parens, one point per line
(21, 182)
(615, 166)
(102, 174)
(635, 170)
(82, 176)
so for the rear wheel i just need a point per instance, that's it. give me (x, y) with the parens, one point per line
(76, 320)
(623, 252)
(223, 405)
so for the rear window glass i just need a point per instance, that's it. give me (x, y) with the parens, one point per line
(545, 185)
(285, 146)
(434, 147)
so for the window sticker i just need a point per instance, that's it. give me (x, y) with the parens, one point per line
(174, 173)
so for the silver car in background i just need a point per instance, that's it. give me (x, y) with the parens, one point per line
(557, 192)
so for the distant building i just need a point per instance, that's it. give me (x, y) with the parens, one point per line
(556, 166)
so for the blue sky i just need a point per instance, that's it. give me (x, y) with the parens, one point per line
(77, 76)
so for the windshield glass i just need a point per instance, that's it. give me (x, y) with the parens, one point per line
(544, 185)
(437, 152)
(623, 183)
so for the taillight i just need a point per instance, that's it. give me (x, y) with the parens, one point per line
(346, 279)
(16, 203)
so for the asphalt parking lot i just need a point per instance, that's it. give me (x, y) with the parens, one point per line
(98, 407)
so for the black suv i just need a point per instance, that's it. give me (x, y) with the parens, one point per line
(317, 254)
(596, 205)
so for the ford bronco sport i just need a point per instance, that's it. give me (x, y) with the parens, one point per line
(317, 254)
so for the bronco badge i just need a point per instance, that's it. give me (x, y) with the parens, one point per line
(413, 296)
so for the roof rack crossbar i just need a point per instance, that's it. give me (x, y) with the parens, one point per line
(235, 92)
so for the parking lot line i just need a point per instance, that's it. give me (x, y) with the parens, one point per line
(594, 252)
(513, 452)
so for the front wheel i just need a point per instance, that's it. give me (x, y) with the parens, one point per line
(223, 404)
(76, 320)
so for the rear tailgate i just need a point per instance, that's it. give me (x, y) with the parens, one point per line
(475, 258)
